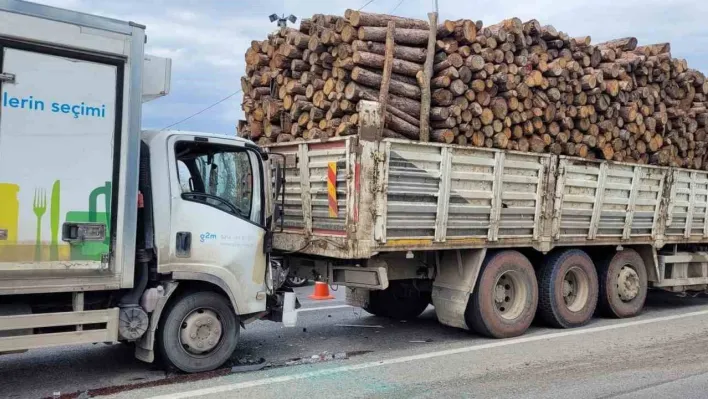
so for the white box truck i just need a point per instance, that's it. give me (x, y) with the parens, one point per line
(108, 233)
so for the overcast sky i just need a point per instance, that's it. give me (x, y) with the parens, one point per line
(207, 39)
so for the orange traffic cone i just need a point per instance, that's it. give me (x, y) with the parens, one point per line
(321, 291)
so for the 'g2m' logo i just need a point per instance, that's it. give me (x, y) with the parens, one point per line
(204, 237)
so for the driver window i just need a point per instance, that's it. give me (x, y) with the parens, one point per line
(219, 176)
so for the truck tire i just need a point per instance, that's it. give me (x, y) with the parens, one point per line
(623, 284)
(295, 281)
(400, 301)
(567, 288)
(504, 301)
(198, 332)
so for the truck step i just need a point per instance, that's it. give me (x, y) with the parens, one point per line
(16, 331)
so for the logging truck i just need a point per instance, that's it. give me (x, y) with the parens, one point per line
(491, 238)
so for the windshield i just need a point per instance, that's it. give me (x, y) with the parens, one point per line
(223, 173)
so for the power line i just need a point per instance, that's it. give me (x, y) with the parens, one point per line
(394, 8)
(367, 3)
(203, 110)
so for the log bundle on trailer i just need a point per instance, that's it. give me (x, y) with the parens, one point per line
(512, 85)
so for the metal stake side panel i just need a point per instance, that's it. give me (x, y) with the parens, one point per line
(447, 196)
(320, 212)
(607, 202)
(430, 196)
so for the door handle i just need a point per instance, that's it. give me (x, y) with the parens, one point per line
(184, 244)
(7, 77)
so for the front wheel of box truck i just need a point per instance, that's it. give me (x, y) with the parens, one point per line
(623, 284)
(504, 301)
(198, 332)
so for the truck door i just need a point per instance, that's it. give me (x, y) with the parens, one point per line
(59, 122)
(218, 218)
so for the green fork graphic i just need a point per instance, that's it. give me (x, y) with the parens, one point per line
(39, 207)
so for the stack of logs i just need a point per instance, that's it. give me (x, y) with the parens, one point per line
(513, 85)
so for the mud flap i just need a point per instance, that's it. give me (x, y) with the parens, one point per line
(457, 272)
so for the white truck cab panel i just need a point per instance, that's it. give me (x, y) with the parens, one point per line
(209, 213)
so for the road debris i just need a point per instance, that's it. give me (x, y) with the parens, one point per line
(245, 365)
(359, 325)
(322, 357)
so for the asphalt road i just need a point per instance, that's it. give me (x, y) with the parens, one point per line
(659, 354)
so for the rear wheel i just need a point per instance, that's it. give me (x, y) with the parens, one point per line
(623, 284)
(567, 289)
(198, 332)
(505, 298)
(402, 300)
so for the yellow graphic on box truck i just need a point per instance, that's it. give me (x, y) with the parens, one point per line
(46, 208)
(9, 213)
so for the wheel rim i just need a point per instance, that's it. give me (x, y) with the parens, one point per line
(201, 332)
(510, 295)
(296, 280)
(627, 283)
(576, 289)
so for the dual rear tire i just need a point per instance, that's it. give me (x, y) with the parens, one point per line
(564, 291)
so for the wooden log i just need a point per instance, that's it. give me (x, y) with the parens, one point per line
(413, 54)
(402, 127)
(403, 36)
(358, 18)
(424, 80)
(387, 69)
(377, 61)
(260, 92)
(441, 97)
(466, 32)
(440, 82)
(442, 136)
(272, 131)
(305, 25)
(624, 44)
(439, 113)
(315, 45)
(537, 144)
(653, 49)
(500, 140)
(458, 87)
(373, 79)
(445, 29)
(354, 92)
(349, 33)
(474, 62)
(395, 111)
(454, 60)
(448, 45)
(442, 124)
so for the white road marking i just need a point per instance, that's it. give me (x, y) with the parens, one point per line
(423, 356)
(323, 308)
